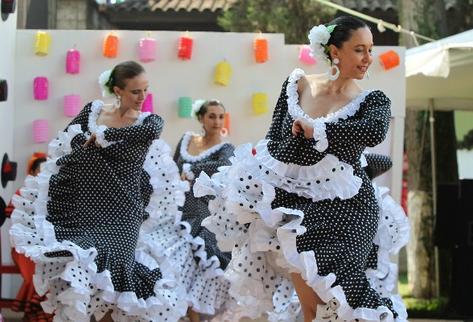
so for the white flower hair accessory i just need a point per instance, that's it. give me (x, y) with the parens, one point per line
(196, 107)
(318, 38)
(104, 78)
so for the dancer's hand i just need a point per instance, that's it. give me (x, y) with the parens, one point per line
(302, 126)
(91, 140)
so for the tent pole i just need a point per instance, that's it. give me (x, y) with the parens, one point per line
(434, 191)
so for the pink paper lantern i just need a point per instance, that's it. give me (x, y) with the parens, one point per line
(71, 105)
(147, 49)
(73, 61)
(148, 104)
(305, 55)
(40, 88)
(40, 131)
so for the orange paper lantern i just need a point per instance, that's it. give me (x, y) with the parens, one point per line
(260, 49)
(389, 59)
(227, 122)
(110, 46)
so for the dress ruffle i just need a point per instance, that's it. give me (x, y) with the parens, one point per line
(320, 136)
(263, 240)
(68, 273)
(330, 178)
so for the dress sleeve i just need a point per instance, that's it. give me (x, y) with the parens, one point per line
(369, 129)
(377, 164)
(177, 153)
(280, 111)
(210, 166)
(149, 130)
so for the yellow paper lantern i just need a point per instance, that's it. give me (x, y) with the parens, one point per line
(223, 73)
(43, 41)
(260, 103)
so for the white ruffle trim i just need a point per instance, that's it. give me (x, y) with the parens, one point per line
(206, 288)
(329, 178)
(75, 289)
(186, 139)
(99, 130)
(296, 111)
(186, 169)
(265, 252)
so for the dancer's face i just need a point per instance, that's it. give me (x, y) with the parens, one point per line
(213, 119)
(134, 93)
(355, 54)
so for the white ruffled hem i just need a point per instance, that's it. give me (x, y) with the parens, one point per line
(75, 289)
(329, 178)
(296, 111)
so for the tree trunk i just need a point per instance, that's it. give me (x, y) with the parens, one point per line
(427, 17)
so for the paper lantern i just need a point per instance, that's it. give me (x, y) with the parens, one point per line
(186, 44)
(40, 88)
(260, 103)
(185, 107)
(227, 122)
(223, 73)
(110, 46)
(148, 104)
(72, 105)
(40, 131)
(147, 49)
(73, 61)
(305, 55)
(389, 59)
(3, 90)
(43, 41)
(260, 49)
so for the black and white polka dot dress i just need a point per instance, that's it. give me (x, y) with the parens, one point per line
(307, 206)
(89, 219)
(207, 287)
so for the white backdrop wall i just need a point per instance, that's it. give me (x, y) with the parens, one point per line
(171, 78)
(7, 111)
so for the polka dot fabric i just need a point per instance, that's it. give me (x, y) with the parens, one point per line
(87, 219)
(207, 288)
(326, 232)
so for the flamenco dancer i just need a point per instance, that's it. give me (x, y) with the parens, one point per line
(89, 219)
(304, 213)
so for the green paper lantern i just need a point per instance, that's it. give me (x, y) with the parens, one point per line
(185, 107)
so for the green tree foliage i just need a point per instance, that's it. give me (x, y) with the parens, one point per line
(294, 18)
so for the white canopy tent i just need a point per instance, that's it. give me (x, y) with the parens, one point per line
(440, 74)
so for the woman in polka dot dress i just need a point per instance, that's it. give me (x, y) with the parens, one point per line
(207, 288)
(89, 219)
(303, 211)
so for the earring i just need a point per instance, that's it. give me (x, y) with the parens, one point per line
(118, 101)
(224, 132)
(334, 70)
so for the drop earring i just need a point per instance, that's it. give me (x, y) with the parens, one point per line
(334, 70)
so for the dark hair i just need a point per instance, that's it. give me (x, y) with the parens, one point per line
(345, 25)
(122, 72)
(203, 109)
(36, 163)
